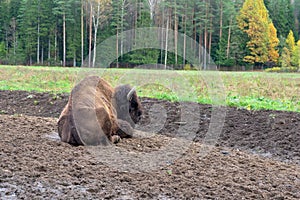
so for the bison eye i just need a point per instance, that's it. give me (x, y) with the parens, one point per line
(134, 104)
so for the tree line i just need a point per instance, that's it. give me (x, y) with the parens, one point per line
(233, 33)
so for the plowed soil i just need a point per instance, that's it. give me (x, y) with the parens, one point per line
(257, 156)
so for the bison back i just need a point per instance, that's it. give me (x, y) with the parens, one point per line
(89, 117)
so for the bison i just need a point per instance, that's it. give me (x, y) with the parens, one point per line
(97, 113)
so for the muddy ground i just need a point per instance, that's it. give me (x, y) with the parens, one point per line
(257, 156)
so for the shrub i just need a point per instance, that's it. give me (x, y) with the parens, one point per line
(187, 67)
(273, 69)
(282, 69)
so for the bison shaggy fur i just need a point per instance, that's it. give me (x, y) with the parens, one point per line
(96, 112)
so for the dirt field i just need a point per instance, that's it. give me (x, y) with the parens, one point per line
(257, 156)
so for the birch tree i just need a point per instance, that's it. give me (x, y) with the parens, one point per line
(100, 10)
(61, 9)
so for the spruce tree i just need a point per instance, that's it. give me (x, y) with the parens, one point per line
(28, 28)
(281, 13)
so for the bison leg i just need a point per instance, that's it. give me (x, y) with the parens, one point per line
(115, 139)
(63, 129)
(125, 130)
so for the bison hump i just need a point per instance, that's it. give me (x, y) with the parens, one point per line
(88, 112)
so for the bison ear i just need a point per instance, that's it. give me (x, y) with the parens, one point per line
(130, 93)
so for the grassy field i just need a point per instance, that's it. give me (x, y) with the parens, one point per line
(250, 90)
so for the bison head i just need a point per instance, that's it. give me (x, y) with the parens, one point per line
(127, 104)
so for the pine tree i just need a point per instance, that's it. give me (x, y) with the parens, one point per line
(232, 46)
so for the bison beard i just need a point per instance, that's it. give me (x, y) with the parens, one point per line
(97, 112)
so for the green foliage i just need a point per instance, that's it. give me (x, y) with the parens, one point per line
(141, 56)
(2, 51)
(281, 13)
(261, 103)
(221, 53)
(28, 18)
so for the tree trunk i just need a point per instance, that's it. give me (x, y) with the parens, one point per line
(95, 46)
(90, 35)
(96, 25)
(221, 20)
(210, 40)
(38, 44)
(200, 46)
(205, 40)
(195, 34)
(205, 48)
(55, 47)
(199, 52)
(82, 36)
(49, 50)
(162, 35)
(6, 39)
(38, 36)
(42, 56)
(122, 27)
(64, 40)
(166, 47)
(74, 59)
(228, 39)
(184, 42)
(14, 27)
(176, 37)
(117, 47)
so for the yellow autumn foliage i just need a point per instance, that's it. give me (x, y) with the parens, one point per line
(254, 20)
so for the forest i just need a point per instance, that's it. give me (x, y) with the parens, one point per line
(248, 33)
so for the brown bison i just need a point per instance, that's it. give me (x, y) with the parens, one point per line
(96, 112)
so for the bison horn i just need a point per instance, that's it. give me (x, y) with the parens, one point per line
(130, 93)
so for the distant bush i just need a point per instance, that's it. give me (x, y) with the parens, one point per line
(273, 69)
(187, 67)
(290, 69)
(282, 69)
